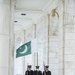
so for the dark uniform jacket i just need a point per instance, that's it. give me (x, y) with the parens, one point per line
(29, 72)
(47, 73)
(37, 72)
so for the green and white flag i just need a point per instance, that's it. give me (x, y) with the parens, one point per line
(26, 48)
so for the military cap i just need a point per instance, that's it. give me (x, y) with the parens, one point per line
(29, 66)
(46, 66)
(37, 66)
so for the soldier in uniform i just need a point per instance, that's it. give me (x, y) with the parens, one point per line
(46, 71)
(29, 71)
(37, 71)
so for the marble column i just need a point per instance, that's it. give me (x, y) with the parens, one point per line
(5, 17)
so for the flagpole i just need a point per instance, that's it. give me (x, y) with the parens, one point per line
(34, 60)
(24, 57)
(48, 37)
(37, 58)
(34, 37)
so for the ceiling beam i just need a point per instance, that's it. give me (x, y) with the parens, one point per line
(22, 18)
(30, 10)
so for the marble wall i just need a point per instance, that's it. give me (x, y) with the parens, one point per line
(69, 30)
(56, 39)
(5, 44)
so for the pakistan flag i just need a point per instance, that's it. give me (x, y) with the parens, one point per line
(23, 50)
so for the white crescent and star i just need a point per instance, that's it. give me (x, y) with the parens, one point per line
(25, 50)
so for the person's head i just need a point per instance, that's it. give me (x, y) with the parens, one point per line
(29, 67)
(37, 67)
(46, 67)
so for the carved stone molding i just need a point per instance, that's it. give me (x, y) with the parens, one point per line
(54, 13)
(54, 23)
